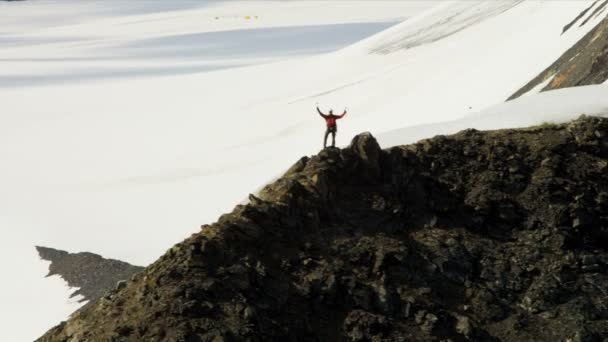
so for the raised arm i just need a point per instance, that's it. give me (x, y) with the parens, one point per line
(342, 115)
(321, 113)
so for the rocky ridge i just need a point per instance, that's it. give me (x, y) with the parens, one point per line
(479, 236)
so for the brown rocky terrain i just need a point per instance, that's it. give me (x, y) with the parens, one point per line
(585, 63)
(479, 236)
(92, 274)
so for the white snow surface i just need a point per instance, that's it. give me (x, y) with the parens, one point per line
(31, 303)
(555, 106)
(128, 124)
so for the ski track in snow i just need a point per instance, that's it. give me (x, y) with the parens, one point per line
(126, 128)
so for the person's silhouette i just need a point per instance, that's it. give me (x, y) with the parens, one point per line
(332, 127)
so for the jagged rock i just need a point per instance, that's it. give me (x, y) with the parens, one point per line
(463, 326)
(91, 273)
(366, 146)
(121, 285)
(469, 237)
(368, 150)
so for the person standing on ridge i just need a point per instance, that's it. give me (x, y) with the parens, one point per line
(332, 127)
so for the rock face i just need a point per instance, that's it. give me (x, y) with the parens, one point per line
(586, 63)
(91, 273)
(479, 236)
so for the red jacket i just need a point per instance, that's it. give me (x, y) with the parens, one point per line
(330, 119)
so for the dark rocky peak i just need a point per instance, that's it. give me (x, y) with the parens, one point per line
(91, 273)
(478, 236)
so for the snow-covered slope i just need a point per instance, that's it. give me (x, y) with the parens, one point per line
(585, 63)
(46, 42)
(123, 131)
(556, 106)
(31, 303)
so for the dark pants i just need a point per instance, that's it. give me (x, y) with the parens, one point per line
(333, 131)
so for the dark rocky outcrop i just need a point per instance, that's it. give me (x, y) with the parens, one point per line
(91, 273)
(479, 236)
(585, 63)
